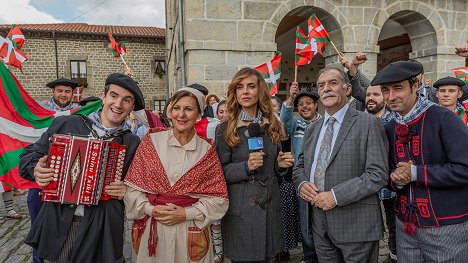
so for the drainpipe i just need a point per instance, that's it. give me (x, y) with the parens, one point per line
(166, 65)
(56, 54)
(183, 78)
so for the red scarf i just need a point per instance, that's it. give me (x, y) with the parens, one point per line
(147, 173)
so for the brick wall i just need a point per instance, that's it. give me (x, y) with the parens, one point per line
(41, 66)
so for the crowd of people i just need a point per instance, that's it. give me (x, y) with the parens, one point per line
(245, 178)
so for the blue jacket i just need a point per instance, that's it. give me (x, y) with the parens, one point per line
(295, 128)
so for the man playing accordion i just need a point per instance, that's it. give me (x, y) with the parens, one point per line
(91, 233)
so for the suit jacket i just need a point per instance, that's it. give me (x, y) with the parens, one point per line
(357, 170)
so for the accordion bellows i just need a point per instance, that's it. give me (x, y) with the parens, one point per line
(83, 167)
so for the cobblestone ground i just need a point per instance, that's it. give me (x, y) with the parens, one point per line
(13, 233)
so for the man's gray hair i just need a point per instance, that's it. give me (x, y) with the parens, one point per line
(343, 75)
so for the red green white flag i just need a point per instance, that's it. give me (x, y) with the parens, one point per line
(461, 73)
(10, 48)
(118, 49)
(271, 72)
(22, 122)
(317, 32)
(304, 52)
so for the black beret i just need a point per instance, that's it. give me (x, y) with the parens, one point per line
(303, 93)
(449, 81)
(129, 84)
(397, 72)
(199, 87)
(88, 99)
(62, 81)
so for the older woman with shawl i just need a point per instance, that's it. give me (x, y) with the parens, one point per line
(176, 188)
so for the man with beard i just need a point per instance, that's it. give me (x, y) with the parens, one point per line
(307, 106)
(70, 233)
(448, 93)
(428, 170)
(375, 105)
(62, 95)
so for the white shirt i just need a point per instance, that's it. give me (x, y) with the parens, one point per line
(339, 117)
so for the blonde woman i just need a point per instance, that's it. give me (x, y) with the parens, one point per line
(252, 227)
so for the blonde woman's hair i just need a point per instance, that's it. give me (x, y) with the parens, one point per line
(275, 130)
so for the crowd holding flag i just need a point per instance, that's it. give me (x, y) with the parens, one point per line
(10, 48)
(22, 119)
(271, 72)
(22, 122)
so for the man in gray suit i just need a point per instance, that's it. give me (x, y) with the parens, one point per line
(343, 164)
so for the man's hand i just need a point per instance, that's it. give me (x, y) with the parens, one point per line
(402, 174)
(117, 188)
(169, 214)
(462, 50)
(359, 59)
(325, 201)
(43, 174)
(285, 160)
(308, 191)
(293, 90)
(344, 61)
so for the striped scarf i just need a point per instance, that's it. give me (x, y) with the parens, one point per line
(422, 104)
(51, 105)
(102, 131)
(245, 117)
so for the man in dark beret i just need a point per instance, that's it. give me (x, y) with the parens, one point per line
(70, 233)
(428, 170)
(62, 95)
(449, 91)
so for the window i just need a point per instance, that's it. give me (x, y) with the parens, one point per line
(159, 67)
(78, 72)
(159, 105)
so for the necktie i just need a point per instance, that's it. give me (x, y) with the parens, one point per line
(324, 155)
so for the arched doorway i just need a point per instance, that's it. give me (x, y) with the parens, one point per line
(286, 41)
(407, 35)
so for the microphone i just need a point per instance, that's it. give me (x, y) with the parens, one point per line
(255, 137)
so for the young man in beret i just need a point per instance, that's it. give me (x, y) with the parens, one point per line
(70, 233)
(61, 100)
(428, 170)
(449, 91)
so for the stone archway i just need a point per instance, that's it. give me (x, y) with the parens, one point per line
(285, 39)
(417, 36)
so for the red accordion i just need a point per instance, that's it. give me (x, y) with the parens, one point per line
(83, 168)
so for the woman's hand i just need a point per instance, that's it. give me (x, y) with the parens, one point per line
(255, 160)
(285, 160)
(169, 214)
(117, 188)
(43, 174)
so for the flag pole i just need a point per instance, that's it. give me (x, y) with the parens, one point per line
(295, 73)
(337, 51)
(128, 69)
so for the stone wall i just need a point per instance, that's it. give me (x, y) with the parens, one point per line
(221, 36)
(41, 66)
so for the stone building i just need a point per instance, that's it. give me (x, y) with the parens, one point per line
(81, 52)
(209, 40)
